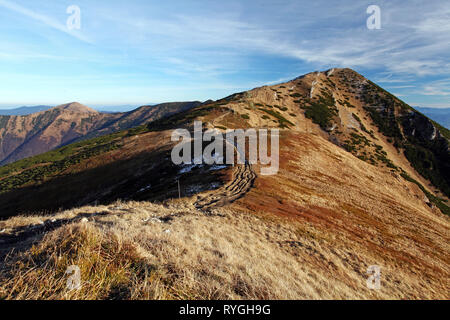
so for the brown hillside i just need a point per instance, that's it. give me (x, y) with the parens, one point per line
(26, 136)
(309, 232)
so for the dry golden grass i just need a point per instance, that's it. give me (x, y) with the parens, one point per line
(147, 251)
(140, 250)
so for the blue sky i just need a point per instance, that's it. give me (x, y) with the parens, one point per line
(138, 52)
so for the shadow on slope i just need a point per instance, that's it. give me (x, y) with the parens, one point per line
(146, 176)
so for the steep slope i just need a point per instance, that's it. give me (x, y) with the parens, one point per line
(357, 115)
(25, 136)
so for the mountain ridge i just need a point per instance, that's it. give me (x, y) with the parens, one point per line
(350, 195)
(338, 105)
(25, 110)
(25, 136)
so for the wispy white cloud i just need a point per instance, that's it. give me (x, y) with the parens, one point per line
(431, 105)
(437, 88)
(400, 87)
(419, 53)
(203, 45)
(389, 77)
(43, 19)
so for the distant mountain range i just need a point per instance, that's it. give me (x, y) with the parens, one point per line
(441, 116)
(23, 136)
(27, 110)
(23, 111)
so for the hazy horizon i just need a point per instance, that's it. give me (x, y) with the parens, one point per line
(136, 105)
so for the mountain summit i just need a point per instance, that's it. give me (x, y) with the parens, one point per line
(76, 108)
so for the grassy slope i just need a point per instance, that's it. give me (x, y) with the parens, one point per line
(283, 240)
(38, 168)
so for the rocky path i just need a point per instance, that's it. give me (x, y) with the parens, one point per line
(243, 179)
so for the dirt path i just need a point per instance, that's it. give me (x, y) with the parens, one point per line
(243, 179)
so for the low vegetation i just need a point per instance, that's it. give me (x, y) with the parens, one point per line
(431, 166)
(321, 111)
(445, 209)
(430, 158)
(361, 125)
(37, 169)
(283, 122)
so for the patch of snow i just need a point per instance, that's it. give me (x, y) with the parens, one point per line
(312, 89)
(433, 136)
(194, 189)
(187, 168)
(145, 188)
(214, 185)
(333, 127)
(351, 122)
(217, 167)
(200, 163)
(152, 219)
